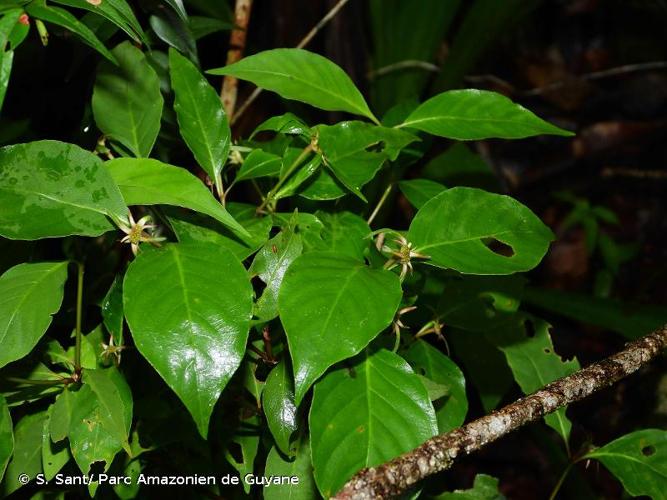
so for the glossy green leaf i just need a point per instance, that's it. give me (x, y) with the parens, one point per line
(127, 103)
(193, 228)
(455, 227)
(151, 182)
(51, 189)
(175, 32)
(178, 7)
(477, 114)
(6, 436)
(249, 373)
(6, 60)
(116, 11)
(299, 178)
(331, 307)
(366, 414)
(54, 455)
(189, 308)
(429, 362)
(115, 401)
(459, 166)
(629, 319)
(353, 151)
(27, 457)
(303, 76)
(279, 407)
(419, 191)
(530, 354)
(638, 460)
(8, 21)
(342, 232)
(29, 295)
(270, 264)
(484, 488)
(201, 118)
(299, 466)
(288, 124)
(38, 9)
(480, 303)
(112, 310)
(259, 164)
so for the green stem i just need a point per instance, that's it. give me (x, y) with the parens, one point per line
(79, 307)
(220, 188)
(377, 208)
(561, 480)
(295, 164)
(36, 382)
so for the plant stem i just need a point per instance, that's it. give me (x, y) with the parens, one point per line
(377, 208)
(79, 307)
(295, 164)
(560, 482)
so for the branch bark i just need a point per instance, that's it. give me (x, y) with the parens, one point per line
(230, 84)
(440, 452)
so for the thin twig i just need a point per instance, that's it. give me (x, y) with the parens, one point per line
(372, 216)
(440, 452)
(407, 64)
(79, 313)
(237, 39)
(304, 41)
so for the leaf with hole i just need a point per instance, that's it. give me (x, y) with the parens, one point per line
(201, 119)
(29, 295)
(127, 102)
(189, 308)
(331, 307)
(54, 455)
(638, 460)
(364, 414)
(151, 182)
(303, 76)
(460, 228)
(527, 345)
(51, 189)
(470, 114)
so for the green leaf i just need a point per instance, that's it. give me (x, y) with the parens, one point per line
(6, 436)
(247, 440)
(331, 307)
(175, 32)
(54, 455)
(115, 401)
(270, 264)
(419, 191)
(29, 295)
(201, 26)
(629, 319)
(366, 414)
(638, 460)
(458, 166)
(27, 457)
(303, 76)
(193, 228)
(38, 9)
(299, 467)
(151, 182)
(472, 114)
(530, 354)
(455, 227)
(6, 60)
(8, 21)
(189, 308)
(484, 488)
(201, 118)
(61, 415)
(303, 173)
(112, 310)
(288, 124)
(127, 103)
(249, 372)
(354, 151)
(51, 189)
(259, 164)
(116, 11)
(342, 232)
(279, 407)
(429, 362)
(480, 303)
